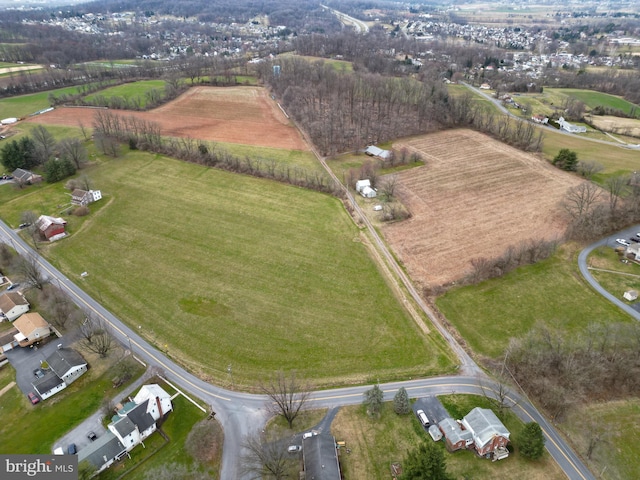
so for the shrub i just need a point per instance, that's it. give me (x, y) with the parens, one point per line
(81, 211)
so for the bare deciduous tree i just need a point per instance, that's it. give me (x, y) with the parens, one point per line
(588, 168)
(616, 186)
(388, 186)
(287, 394)
(580, 200)
(96, 336)
(44, 142)
(74, 150)
(266, 459)
(31, 272)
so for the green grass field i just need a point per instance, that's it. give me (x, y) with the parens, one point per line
(130, 91)
(376, 443)
(606, 258)
(551, 292)
(26, 104)
(593, 99)
(618, 426)
(55, 416)
(216, 268)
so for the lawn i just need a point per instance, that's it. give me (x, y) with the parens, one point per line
(129, 91)
(551, 292)
(216, 269)
(615, 160)
(27, 104)
(54, 417)
(616, 428)
(375, 444)
(607, 259)
(593, 99)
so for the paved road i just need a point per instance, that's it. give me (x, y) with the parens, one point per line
(358, 25)
(609, 241)
(506, 111)
(242, 414)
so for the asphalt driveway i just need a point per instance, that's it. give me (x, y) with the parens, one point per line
(432, 407)
(26, 360)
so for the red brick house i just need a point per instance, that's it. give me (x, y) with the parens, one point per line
(490, 436)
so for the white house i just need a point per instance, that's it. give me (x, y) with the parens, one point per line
(83, 197)
(12, 305)
(132, 424)
(569, 127)
(65, 367)
(490, 436)
(368, 192)
(360, 184)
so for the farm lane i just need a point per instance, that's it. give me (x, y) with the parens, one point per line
(242, 414)
(506, 111)
(584, 268)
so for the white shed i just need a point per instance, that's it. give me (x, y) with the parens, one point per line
(360, 184)
(631, 295)
(368, 192)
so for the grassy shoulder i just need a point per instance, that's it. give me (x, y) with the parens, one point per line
(215, 268)
(612, 431)
(619, 277)
(130, 91)
(551, 292)
(376, 443)
(26, 428)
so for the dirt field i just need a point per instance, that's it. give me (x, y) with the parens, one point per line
(473, 198)
(622, 126)
(244, 115)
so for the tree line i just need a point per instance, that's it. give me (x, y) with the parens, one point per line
(110, 129)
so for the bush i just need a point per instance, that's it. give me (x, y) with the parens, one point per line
(81, 211)
(566, 160)
(204, 441)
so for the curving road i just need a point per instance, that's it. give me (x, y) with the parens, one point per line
(358, 25)
(584, 268)
(243, 414)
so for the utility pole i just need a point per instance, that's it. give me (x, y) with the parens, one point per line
(230, 375)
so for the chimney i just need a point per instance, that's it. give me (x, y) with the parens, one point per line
(159, 407)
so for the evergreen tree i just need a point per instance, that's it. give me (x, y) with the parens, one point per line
(373, 398)
(531, 441)
(566, 160)
(401, 402)
(425, 462)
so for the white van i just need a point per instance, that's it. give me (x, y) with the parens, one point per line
(422, 417)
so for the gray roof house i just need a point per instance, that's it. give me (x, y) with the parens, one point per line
(490, 436)
(456, 437)
(320, 457)
(65, 366)
(101, 453)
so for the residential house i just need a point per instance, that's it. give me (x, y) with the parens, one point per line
(320, 457)
(485, 86)
(633, 251)
(363, 187)
(540, 119)
(630, 295)
(455, 435)
(569, 127)
(12, 305)
(490, 436)
(23, 177)
(131, 425)
(51, 228)
(31, 329)
(65, 366)
(84, 198)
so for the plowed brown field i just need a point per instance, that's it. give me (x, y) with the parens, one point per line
(244, 115)
(473, 198)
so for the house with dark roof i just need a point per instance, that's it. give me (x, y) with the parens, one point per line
(83, 197)
(65, 366)
(25, 177)
(12, 305)
(320, 457)
(129, 427)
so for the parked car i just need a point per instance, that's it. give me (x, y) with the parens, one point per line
(92, 436)
(24, 225)
(309, 434)
(635, 239)
(72, 450)
(38, 373)
(422, 417)
(638, 234)
(13, 286)
(32, 398)
(622, 241)
(294, 448)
